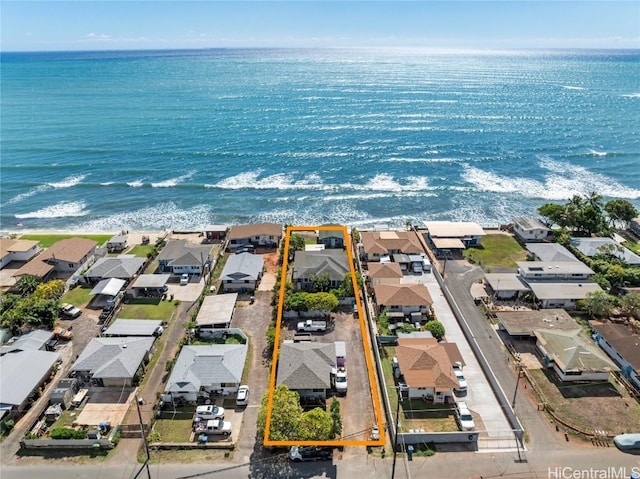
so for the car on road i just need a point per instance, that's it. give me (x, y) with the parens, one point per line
(62, 333)
(184, 279)
(463, 417)
(462, 382)
(310, 453)
(70, 311)
(627, 442)
(209, 411)
(242, 399)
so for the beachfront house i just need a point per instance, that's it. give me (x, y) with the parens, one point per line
(117, 243)
(376, 245)
(62, 258)
(331, 239)
(266, 235)
(449, 238)
(17, 250)
(528, 229)
(605, 246)
(215, 233)
(550, 252)
(122, 267)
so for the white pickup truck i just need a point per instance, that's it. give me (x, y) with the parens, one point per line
(311, 326)
(213, 427)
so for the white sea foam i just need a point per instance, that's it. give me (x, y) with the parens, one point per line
(278, 181)
(106, 183)
(569, 87)
(28, 194)
(632, 95)
(424, 160)
(135, 183)
(597, 153)
(563, 181)
(161, 216)
(59, 210)
(68, 182)
(173, 181)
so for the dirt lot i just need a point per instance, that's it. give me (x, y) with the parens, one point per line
(602, 406)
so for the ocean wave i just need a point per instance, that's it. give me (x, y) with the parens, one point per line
(107, 183)
(424, 160)
(563, 181)
(135, 183)
(28, 194)
(597, 153)
(278, 181)
(59, 210)
(68, 182)
(173, 181)
(569, 87)
(632, 95)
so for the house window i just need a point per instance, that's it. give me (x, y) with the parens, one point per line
(223, 385)
(246, 281)
(573, 373)
(318, 390)
(71, 265)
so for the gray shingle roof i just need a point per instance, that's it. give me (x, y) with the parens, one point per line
(243, 266)
(34, 340)
(552, 252)
(113, 357)
(133, 327)
(199, 366)
(332, 261)
(183, 253)
(306, 365)
(21, 372)
(121, 268)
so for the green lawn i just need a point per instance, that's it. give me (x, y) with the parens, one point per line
(48, 240)
(173, 430)
(141, 250)
(497, 251)
(78, 296)
(148, 309)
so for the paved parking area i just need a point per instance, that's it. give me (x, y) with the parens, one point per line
(185, 292)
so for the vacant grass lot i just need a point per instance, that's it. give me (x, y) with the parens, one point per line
(602, 406)
(78, 296)
(141, 250)
(173, 430)
(148, 308)
(497, 251)
(48, 240)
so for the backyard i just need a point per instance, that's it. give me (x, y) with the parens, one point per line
(589, 406)
(78, 296)
(149, 308)
(497, 251)
(48, 240)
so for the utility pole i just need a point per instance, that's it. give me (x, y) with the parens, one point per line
(519, 370)
(144, 440)
(395, 436)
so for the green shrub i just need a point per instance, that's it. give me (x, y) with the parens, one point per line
(67, 433)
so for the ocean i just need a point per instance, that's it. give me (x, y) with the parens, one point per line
(151, 140)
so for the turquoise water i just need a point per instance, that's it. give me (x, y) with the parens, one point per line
(180, 139)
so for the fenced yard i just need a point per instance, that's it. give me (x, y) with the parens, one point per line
(148, 308)
(497, 251)
(602, 406)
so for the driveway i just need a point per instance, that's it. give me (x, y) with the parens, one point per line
(185, 292)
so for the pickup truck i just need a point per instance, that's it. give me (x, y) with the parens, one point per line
(213, 427)
(311, 326)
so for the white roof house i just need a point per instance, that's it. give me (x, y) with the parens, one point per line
(561, 294)
(133, 327)
(530, 229)
(217, 310)
(453, 229)
(211, 368)
(242, 272)
(551, 252)
(594, 246)
(568, 270)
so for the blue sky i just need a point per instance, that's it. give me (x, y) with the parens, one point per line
(116, 25)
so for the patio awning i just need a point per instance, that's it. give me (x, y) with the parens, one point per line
(108, 287)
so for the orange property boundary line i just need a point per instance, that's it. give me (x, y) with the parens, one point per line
(367, 352)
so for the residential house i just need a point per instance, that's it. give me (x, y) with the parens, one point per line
(149, 285)
(550, 252)
(530, 229)
(573, 356)
(622, 344)
(306, 368)
(383, 273)
(450, 238)
(505, 285)
(179, 257)
(403, 301)
(308, 265)
(17, 250)
(122, 267)
(117, 361)
(522, 323)
(37, 340)
(242, 272)
(561, 295)
(331, 238)
(554, 271)
(427, 368)
(605, 246)
(117, 243)
(266, 235)
(24, 373)
(207, 370)
(133, 327)
(63, 257)
(215, 313)
(215, 233)
(375, 245)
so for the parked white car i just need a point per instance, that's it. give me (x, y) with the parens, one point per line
(209, 412)
(184, 279)
(462, 382)
(242, 399)
(463, 416)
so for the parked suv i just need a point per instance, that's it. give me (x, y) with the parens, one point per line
(69, 310)
(209, 412)
(184, 279)
(310, 453)
(463, 417)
